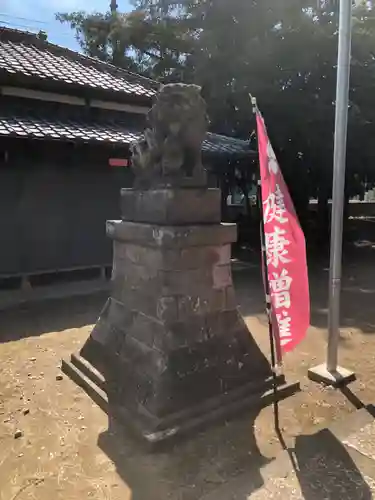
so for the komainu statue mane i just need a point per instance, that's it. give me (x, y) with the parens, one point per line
(170, 152)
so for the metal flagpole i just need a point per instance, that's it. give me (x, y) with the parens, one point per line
(331, 373)
(341, 124)
(268, 310)
(268, 297)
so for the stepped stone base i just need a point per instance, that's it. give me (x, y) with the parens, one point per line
(170, 346)
(154, 430)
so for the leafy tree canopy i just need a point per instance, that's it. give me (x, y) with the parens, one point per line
(284, 52)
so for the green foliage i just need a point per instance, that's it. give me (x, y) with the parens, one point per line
(42, 35)
(284, 52)
(107, 36)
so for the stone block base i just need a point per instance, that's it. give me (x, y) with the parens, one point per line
(166, 366)
(170, 347)
(154, 430)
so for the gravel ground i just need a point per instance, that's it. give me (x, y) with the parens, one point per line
(55, 442)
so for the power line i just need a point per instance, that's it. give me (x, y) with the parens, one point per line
(13, 25)
(17, 25)
(4, 14)
(12, 22)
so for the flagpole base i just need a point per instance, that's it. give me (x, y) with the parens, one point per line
(339, 377)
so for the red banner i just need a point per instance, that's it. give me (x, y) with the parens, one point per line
(285, 250)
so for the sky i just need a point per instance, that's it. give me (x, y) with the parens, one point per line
(35, 15)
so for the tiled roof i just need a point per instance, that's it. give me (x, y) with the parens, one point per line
(220, 144)
(224, 144)
(24, 54)
(111, 132)
(39, 128)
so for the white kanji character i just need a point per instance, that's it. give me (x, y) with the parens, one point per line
(282, 299)
(284, 321)
(280, 287)
(274, 207)
(275, 247)
(281, 282)
(273, 166)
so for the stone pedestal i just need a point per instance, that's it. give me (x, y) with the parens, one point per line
(170, 348)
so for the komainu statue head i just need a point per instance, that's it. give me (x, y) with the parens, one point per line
(170, 152)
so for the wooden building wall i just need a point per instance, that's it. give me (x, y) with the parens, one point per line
(55, 199)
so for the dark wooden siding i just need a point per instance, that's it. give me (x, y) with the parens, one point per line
(55, 199)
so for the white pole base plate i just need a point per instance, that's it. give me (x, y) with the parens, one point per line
(337, 378)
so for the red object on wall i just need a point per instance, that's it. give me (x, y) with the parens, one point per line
(118, 162)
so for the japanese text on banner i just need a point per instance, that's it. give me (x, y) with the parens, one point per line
(285, 251)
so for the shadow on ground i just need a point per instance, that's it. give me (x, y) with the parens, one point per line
(50, 316)
(325, 469)
(224, 463)
(188, 468)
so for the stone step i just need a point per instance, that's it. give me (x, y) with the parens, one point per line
(87, 369)
(92, 382)
(335, 463)
(87, 384)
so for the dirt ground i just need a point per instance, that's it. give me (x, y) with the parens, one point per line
(55, 442)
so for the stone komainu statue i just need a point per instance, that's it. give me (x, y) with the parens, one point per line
(170, 152)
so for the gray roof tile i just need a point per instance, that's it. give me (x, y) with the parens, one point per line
(22, 53)
(117, 133)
